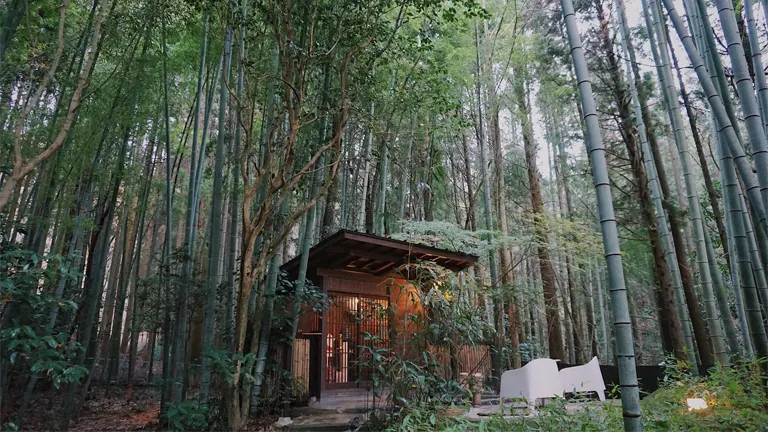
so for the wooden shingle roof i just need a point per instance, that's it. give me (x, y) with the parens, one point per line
(375, 255)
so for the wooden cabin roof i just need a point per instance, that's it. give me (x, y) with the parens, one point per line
(375, 255)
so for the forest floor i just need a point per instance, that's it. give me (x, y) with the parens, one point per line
(110, 411)
(114, 412)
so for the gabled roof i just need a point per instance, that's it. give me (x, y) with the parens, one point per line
(375, 255)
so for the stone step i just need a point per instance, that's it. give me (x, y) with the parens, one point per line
(324, 422)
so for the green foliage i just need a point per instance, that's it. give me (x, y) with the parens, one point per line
(410, 370)
(226, 363)
(27, 282)
(52, 356)
(450, 236)
(552, 417)
(735, 400)
(451, 316)
(312, 299)
(187, 416)
(413, 383)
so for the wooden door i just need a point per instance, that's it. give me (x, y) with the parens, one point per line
(354, 322)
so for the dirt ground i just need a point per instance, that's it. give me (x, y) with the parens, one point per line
(108, 411)
(113, 412)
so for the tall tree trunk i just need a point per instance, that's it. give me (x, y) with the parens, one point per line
(471, 223)
(213, 277)
(735, 277)
(366, 167)
(757, 63)
(494, 274)
(505, 257)
(405, 172)
(711, 192)
(749, 291)
(749, 106)
(190, 227)
(671, 327)
(554, 326)
(696, 222)
(630, 394)
(574, 334)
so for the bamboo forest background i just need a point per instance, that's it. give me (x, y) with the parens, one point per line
(159, 161)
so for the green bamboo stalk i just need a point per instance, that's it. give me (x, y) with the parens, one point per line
(755, 253)
(300, 286)
(656, 194)
(267, 313)
(733, 205)
(630, 395)
(203, 141)
(707, 46)
(235, 204)
(214, 251)
(678, 228)
(749, 106)
(722, 299)
(696, 221)
(365, 174)
(190, 225)
(406, 169)
(486, 193)
(735, 278)
(757, 61)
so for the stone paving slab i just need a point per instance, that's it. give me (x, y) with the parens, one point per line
(517, 410)
(324, 422)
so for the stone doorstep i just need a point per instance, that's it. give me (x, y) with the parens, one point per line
(322, 422)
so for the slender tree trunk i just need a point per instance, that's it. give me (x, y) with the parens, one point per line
(554, 326)
(671, 327)
(757, 63)
(471, 212)
(630, 395)
(494, 274)
(366, 167)
(711, 192)
(190, 227)
(406, 171)
(696, 221)
(735, 277)
(213, 276)
(505, 257)
(733, 205)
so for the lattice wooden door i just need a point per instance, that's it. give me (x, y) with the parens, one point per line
(354, 322)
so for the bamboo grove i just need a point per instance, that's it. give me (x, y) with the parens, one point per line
(607, 160)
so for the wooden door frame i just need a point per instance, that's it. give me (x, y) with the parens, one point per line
(356, 383)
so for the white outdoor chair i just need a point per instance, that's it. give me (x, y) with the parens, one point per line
(584, 378)
(537, 379)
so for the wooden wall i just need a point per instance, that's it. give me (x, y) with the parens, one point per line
(405, 303)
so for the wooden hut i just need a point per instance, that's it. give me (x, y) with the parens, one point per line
(367, 296)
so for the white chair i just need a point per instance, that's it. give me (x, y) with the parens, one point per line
(537, 379)
(584, 378)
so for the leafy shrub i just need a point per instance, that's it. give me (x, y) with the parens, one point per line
(187, 415)
(735, 398)
(411, 383)
(28, 283)
(552, 417)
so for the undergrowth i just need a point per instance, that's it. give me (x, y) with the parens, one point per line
(735, 397)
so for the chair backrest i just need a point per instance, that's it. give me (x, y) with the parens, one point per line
(537, 379)
(583, 378)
